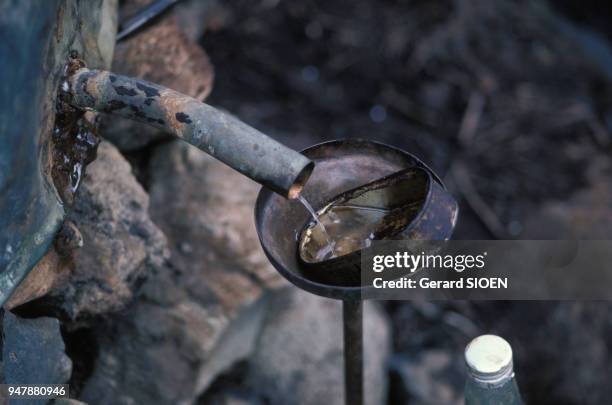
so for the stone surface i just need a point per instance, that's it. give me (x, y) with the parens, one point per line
(33, 352)
(231, 397)
(194, 16)
(163, 54)
(169, 346)
(202, 313)
(66, 401)
(206, 210)
(299, 355)
(121, 245)
(47, 273)
(428, 379)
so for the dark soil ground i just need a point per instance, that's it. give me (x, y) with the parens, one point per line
(509, 101)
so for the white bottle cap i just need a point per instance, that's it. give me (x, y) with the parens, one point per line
(489, 359)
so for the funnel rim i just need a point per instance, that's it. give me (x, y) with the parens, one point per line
(300, 181)
(357, 141)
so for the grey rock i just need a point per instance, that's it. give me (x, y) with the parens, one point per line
(47, 273)
(299, 356)
(205, 209)
(121, 245)
(193, 16)
(167, 353)
(430, 378)
(33, 352)
(232, 397)
(202, 313)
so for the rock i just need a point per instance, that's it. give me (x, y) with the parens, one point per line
(205, 208)
(431, 378)
(169, 346)
(299, 356)
(66, 401)
(194, 16)
(121, 245)
(47, 274)
(232, 397)
(33, 352)
(68, 239)
(51, 270)
(201, 313)
(160, 53)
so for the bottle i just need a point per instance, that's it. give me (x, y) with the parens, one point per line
(490, 378)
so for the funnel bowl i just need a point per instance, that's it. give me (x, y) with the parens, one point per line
(340, 166)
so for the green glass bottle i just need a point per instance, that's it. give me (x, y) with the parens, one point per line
(490, 378)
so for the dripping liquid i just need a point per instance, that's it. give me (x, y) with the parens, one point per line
(328, 247)
(339, 230)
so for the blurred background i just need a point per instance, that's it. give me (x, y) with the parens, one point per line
(508, 101)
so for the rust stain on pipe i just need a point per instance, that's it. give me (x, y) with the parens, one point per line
(228, 139)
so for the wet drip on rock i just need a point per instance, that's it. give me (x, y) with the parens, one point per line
(74, 139)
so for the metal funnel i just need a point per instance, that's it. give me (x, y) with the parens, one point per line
(341, 166)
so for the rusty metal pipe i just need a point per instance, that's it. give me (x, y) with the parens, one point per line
(228, 139)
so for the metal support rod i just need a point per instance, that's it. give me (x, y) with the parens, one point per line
(228, 139)
(352, 312)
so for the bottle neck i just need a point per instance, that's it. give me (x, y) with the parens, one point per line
(502, 392)
(492, 380)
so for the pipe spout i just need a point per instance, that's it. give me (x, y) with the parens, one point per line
(219, 134)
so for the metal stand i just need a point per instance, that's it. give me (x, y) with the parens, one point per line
(352, 313)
